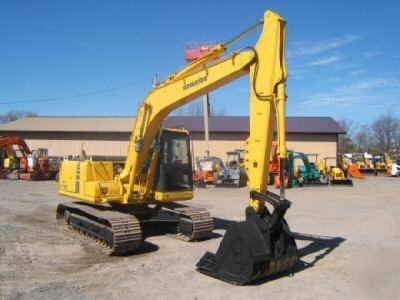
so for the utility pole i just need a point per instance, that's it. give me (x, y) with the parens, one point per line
(206, 132)
(193, 51)
(155, 81)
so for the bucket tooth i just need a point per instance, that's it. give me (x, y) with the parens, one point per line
(253, 249)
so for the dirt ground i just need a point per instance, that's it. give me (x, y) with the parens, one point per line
(348, 239)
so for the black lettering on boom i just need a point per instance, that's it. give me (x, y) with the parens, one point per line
(195, 82)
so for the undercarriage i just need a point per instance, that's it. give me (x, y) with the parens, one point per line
(121, 229)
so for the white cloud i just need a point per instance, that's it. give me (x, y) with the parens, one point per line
(368, 83)
(371, 54)
(345, 86)
(370, 92)
(325, 61)
(357, 72)
(302, 48)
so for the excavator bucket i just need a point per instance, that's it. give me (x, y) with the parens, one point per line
(341, 182)
(261, 246)
(354, 172)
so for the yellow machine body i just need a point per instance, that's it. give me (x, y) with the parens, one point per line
(383, 162)
(94, 181)
(387, 159)
(10, 159)
(7, 163)
(334, 174)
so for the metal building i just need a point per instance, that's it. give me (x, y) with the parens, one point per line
(110, 135)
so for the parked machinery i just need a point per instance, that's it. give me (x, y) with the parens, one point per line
(205, 169)
(290, 171)
(382, 163)
(364, 163)
(394, 169)
(332, 173)
(274, 168)
(17, 161)
(158, 168)
(233, 173)
(299, 171)
(307, 172)
(345, 162)
(13, 156)
(40, 166)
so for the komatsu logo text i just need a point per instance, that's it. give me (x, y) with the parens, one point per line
(195, 82)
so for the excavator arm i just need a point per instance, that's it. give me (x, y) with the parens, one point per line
(263, 244)
(266, 65)
(8, 141)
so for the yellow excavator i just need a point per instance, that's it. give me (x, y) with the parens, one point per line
(116, 210)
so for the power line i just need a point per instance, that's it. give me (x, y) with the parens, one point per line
(76, 95)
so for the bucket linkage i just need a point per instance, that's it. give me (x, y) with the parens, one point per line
(258, 247)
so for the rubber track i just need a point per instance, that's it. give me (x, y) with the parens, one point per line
(202, 222)
(127, 234)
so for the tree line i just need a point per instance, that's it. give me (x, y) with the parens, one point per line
(196, 109)
(380, 136)
(15, 115)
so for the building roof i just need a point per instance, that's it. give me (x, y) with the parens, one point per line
(193, 124)
(71, 124)
(241, 124)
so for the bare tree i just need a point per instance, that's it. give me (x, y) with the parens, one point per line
(15, 115)
(195, 109)
(218, 112)
(397, 143)
(386, 132)
(346, 141)
(364, 139)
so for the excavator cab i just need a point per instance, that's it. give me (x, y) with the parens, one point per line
(174, 172)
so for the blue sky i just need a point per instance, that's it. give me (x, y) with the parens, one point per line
(343, 56)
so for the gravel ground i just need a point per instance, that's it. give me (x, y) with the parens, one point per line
(348, 238)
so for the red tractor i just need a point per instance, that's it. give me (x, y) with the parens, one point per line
(40, 166)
